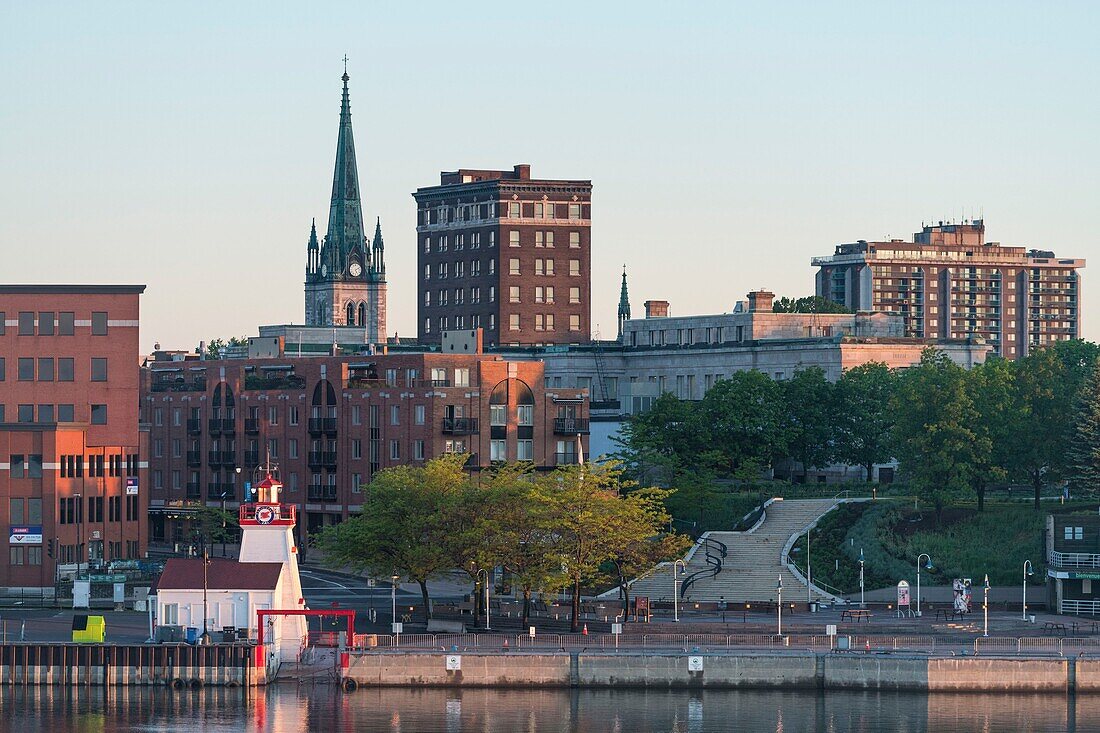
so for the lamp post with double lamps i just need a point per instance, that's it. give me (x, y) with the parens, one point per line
(479, 572)
(928, 566)
(862, 604)
(985, 606)
(1028, 570)
(779, 605)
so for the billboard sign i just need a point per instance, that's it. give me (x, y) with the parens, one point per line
(26, 534)
(131, 486)
(903, 594)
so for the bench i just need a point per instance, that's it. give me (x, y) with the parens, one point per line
(949, 614)
(1055, 626)
(856, 614)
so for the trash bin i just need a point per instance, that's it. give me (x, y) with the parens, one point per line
(192, 636)
(813, 606)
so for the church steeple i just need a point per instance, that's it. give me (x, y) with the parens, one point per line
(624, 305)
(378, 252)
(345, 215)
(313, 251)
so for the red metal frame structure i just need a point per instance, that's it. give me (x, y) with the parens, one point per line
(347, 613)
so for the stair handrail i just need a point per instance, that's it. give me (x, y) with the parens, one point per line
(715, 553)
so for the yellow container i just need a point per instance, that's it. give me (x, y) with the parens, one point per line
(89, 629)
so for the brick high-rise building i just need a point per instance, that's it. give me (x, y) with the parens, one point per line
(949, 283)
(72, 457)
(330, 423)
(507, 253)
(346, 272)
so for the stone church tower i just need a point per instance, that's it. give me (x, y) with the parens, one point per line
(346, 272)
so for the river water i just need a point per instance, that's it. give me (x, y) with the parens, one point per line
(290, 709)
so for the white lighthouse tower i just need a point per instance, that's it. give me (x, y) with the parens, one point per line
(267, 535)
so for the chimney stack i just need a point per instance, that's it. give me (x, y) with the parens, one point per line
(760, 300)
(656, 309)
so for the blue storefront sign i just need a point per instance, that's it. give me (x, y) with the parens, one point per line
(27, 534)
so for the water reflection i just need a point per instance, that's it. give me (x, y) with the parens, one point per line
(288, 709)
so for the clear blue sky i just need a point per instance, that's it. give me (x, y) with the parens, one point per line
(187, 145)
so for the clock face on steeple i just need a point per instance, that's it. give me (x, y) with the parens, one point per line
(356, 269)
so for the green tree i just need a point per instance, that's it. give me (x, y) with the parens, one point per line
(654, 445)
(407, 526)
(594, 521)
(864, 416)
(744, 421)
(996, 417)
(211, 525)
(808, 304)
(1083, 451)
(934, 430)
(807, 403)
(215, 347)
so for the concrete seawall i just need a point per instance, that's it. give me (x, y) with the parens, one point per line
(726, 671)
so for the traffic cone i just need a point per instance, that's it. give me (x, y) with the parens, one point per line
(584, 631)
(505, 643)
(867, 644)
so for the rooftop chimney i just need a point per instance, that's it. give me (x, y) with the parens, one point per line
(760, 300)
(522, 171)
(656, 309)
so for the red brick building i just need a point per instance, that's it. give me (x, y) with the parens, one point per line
(72, 472)
(330, 423)
(949, 283)
(507, 253)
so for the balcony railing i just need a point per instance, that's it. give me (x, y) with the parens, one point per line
(325, 459)
(194, 490)
(194, 426)
(251, 425)
(273, 382)
(252, 458)
(460, 425)
(570, 425)
(1073, 560)
(318, 425)
(321, 492)
(179, 384)
(286, 515)
(565, 459)
(194, 458)
(222, 425)
(221, 457)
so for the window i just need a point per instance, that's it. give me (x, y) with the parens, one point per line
(427, 272)
(34, 465)
(3, 323)
(574, 240)
(525, 450)
(356, 483)
(66, 369)
(574, 211)
(273, 415)
(2, 364)
(493, 237)
(395, 414)
(292, 447)
(158, 416)
(513, 266)
(418, 450)
(16, 556)
(395, 450)
(45, 369)
(427, 298)
(538, 267)
(492, 293)
(497, 450)
(45, 323)
(26, 369)
(460, 268)
(99, 369)
(17, 466)
(356, 415)
(513, 238)
(26, 413)
(574, 267)
(492, 267)
(462, 377)
(513, 293)
(356, 449)
(525, 414)
(549, 321)
(15, 509)
(574, 323)
(513, 322)
(66, 323)
(26, 323)
(1071, 533)
(99, 414)
(99, 323)
(475, 297)
(418, 414)
(443, 270)
(292, 415)
(538, 322)
(498, 415)
(513, 210)
(443, 296)
(427, 245)
(574, 295)
(458, 296)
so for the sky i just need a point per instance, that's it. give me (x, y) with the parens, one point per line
(187, 146)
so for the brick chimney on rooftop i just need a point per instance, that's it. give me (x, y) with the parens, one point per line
(656, 309)
(761, 300)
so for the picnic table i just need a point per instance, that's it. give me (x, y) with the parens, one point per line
(856, 614)
(949, 614)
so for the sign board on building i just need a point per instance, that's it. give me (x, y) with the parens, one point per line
(131, 486)
(26, 534)
(96, 534)
(396, 627)
(830, 630)
(616, 628)
(454, 662)
(695, 664)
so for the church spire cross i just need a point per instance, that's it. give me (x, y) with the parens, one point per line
(624, 305)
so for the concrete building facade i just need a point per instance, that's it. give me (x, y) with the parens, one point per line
(950, 283)
(73, 469)
(330, 423)
(507, 253)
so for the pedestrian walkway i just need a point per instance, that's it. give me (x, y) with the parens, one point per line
(753, 564)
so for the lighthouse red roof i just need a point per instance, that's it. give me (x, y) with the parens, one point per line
(186, 574)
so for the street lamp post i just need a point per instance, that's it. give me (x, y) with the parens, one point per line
(1027, 571)
(393, 598)
(79, 532)
(676, 589)
(205, 638)
(862, 604)
(985, 606)
(927, 567)
(479, 572)
(779, 605)
(809, 575)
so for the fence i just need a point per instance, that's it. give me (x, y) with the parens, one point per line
(1048, 645)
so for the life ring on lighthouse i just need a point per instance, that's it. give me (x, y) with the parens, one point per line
(265, 515)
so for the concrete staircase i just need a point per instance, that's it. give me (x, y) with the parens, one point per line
(753, 563)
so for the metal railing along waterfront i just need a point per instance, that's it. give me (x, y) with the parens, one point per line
(1080, 608)
(1073, 559)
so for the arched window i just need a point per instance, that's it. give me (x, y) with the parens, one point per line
(350, 314)
(321, 312)
(362, 314)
